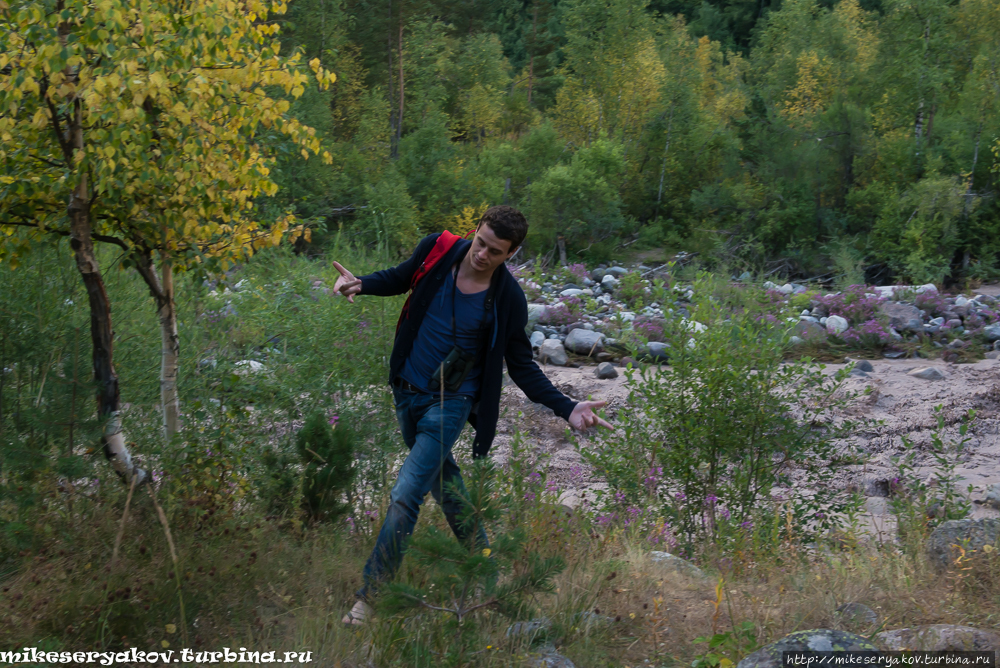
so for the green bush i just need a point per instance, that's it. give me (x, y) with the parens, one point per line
(327, 453)
(921, 504)
(707, 438)
(631, 289)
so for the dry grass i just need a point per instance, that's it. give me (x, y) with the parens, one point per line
(269, 584)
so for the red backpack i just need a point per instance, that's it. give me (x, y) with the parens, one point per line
(443, 244)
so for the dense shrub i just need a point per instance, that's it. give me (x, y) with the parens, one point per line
(705, 440)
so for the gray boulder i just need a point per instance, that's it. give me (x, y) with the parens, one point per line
(552, 352)
(926, 373)
(807, 330)
(861, 365)
(609, 282)
(939, 638)
(836, 324)
(992, 332)
(657, 351)
(588, 620)
(585, 342)
(536, 312)
(816, 640)
(537, 339)
(550, 658)
(606, 371)
(617, 271)
(971, 534)
(248, 367)
(530, 629)
(598, 274)
(675, 564)
(900, 314)
(856, 615)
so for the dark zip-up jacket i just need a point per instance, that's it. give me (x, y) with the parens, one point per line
(508, 340)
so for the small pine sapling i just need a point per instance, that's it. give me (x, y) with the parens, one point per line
(459, 579)
(327, 453)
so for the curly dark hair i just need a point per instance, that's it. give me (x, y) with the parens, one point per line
(507, 223)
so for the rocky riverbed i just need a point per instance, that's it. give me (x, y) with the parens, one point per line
(905, 385)
(903, 404)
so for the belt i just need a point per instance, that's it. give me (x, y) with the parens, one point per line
(403, 385)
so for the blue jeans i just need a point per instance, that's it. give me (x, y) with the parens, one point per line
(430, 428)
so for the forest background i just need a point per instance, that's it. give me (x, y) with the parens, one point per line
(801, 136)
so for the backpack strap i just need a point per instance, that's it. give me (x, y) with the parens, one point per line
(444, 243)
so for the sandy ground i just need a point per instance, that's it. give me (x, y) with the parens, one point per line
(901, 405)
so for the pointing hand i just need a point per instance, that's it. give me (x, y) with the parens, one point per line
(346, 284)
(583, 416)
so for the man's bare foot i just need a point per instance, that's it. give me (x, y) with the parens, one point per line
(358, 615)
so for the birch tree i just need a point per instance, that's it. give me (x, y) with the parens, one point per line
(139, 126)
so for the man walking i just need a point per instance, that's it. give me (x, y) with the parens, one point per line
(465, 317)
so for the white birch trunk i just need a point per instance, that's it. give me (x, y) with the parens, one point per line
(171, 350)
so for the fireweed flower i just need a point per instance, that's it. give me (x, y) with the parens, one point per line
(653, 477)
(680, 496)
(633, 515)
(856, 304)
(662, 533)
(578, 271)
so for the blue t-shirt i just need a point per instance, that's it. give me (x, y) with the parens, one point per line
(435, 338)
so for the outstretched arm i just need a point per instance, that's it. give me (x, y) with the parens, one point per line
(536, 385)
(396, 280)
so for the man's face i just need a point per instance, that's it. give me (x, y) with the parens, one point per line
(488, 250)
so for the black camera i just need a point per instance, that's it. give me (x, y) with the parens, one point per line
(453, 371)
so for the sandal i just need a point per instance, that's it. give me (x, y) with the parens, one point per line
(358, 614)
